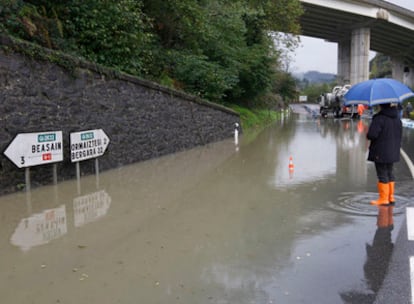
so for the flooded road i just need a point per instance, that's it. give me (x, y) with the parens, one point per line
(216, 224)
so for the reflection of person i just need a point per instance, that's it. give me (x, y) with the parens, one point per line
(379, 253)
(385, 134)
(378, 259)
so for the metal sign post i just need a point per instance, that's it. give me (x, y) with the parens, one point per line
(28, 194)
(97, 172)
(78, 177)
(32, 149)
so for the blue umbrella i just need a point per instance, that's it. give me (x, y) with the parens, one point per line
(377, 91)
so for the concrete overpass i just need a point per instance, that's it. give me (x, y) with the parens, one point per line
(361, 26)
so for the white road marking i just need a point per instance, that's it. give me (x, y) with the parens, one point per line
(410, 235)
(410, 223)
(411, 277)
(408, 162)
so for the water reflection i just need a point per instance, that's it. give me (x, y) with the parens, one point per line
(314, 157)
(379, 252)
(40, 228)
(323, 150)
(378, 255)
(90, 207)
(52, 223)
(209, 225)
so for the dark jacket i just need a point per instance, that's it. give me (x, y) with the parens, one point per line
(385, 133)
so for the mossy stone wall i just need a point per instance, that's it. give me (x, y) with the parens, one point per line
(142, 119)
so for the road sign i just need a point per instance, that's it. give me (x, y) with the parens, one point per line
(32, 149)
(87, 144)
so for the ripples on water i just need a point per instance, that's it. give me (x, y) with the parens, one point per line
(359, 204)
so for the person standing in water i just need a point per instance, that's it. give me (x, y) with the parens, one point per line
(385, 134)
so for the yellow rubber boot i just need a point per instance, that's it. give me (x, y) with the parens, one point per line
(391, 198)
(383, 191)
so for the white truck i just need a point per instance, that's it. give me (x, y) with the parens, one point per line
(333, 103)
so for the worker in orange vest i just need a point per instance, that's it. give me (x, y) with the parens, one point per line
(361, 109)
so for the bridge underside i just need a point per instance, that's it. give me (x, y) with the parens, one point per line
(335, 26)
(340, 26)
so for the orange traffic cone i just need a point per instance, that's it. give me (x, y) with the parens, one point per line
(291, 166)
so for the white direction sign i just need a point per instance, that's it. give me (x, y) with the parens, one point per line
(87, 144)
(32, 149)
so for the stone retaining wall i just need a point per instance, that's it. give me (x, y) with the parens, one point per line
(142, 119)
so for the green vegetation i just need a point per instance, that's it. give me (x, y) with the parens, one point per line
(380, 67)
(223, 51)
(313, 91)
(255, 118)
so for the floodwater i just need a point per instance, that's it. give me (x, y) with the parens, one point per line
(223, 223)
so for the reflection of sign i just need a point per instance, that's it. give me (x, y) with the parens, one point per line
(89, 208)
(40, 228)
(87, 144)
(32, 149)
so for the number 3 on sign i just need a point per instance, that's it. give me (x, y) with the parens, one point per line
(22, 160)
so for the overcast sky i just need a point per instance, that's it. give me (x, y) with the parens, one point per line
(316, 54)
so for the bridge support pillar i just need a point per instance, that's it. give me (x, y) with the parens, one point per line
(403, 72)
(360, 45)
(344, 62)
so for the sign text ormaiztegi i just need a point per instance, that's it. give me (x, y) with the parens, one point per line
(87, 144)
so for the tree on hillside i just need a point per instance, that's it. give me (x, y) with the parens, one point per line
(112, 33)
(380, 66)
(219, 50)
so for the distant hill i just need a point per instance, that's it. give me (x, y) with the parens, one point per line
(379, 66)
(314, 77)
(318, 77)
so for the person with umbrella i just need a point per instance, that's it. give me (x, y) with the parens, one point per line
(385, 130)
(385, 134)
